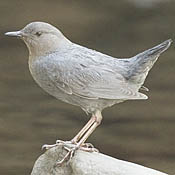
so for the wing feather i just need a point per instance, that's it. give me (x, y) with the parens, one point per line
(91, 81)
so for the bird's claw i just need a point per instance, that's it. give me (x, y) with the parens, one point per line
(46, 146)
(88, 145)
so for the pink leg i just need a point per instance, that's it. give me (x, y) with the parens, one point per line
(83, 130)
(98, 118)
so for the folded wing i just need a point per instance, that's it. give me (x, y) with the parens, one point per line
(92, 82)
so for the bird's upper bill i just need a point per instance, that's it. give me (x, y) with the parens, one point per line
(16, 34)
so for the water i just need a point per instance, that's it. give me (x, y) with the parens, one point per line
(136, 131)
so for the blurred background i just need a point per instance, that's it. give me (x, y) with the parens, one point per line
(138, 131)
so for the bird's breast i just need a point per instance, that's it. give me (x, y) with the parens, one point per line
(40, 75)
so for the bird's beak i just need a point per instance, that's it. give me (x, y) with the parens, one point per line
(16, 34)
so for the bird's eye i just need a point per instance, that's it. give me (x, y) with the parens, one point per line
(38, 33)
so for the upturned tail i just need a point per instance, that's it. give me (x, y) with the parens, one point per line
(143, 62)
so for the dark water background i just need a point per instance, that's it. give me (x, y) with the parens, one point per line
(137, 131)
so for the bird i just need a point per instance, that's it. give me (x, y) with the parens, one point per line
(84, 77)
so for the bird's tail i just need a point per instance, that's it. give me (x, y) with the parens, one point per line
(143, 62)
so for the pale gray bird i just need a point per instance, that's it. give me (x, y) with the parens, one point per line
(84, 77)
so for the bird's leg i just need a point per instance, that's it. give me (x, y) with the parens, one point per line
(97, 120)
(83, 130)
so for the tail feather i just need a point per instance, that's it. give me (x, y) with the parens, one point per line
(155, 51)
(143, 62)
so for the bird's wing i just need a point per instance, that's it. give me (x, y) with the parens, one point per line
(91, 81)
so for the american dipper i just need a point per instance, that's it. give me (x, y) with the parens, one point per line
(82, 76)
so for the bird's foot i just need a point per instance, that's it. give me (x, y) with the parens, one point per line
(70, 147)
(58, 142)
(85, 146)
(71, 151)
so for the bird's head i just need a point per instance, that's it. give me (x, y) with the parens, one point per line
(41, 38)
